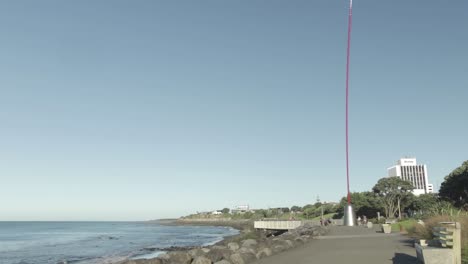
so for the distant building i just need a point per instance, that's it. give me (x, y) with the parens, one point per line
(240, 209)
(407, 169)
(216, 212)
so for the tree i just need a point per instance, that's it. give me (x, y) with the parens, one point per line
(309, 212)
(455, 186)
(225, 211)
(307, 206)
(364, 203)
(392, 190)
(423, 203)
(295, 208)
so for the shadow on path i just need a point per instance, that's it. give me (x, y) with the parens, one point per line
(401, 258)
(409, 242)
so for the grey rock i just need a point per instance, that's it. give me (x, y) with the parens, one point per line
(244, 250)
(196, 252)
(249, 243)
(310, 230)
(218, 254)
(300, 240)
(144, 261)
(248, 257)
(206, 250)
(236, 258)
(278, 248)
(218, 247)
(164, 256)
(288, 243)
(223, 262)
(243, 258)
(180, 257)
(266, 252)
(201, 260)
(288, 236)
(233, 246)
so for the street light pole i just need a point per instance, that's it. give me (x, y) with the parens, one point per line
(349, 217)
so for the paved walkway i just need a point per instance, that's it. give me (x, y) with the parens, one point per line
(350, 245)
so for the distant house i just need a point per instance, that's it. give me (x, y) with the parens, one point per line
(216, 212)
(240, 209)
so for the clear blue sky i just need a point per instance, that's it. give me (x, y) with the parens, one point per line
(134, 110)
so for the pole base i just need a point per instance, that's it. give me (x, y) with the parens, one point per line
(349, 216)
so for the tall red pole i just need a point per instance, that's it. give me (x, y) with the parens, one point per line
(350, 18)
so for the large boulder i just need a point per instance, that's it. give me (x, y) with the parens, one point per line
(278, 248)
(236, 258)
(218, 247)
(243, 258)
(143, 261)
(223, 262)
(248, 257)
(201, 260)
(265, 252)
(321, 230)
(288, 243)
(285, 243)
(249, 243)
(310, 230)
(196, 252)
(245, 250)
(179, 257)
(217, 254)
(300, 240)
(233, 246)
(164, 257)
(288, 236)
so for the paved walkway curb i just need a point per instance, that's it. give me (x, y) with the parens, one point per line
(350, 245)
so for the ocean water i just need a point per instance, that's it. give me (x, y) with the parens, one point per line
(96, 242)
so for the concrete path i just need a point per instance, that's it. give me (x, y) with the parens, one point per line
(350, 245)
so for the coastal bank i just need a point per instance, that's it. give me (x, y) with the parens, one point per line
(248, 246)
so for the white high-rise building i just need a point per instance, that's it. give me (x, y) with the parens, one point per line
(407, 169)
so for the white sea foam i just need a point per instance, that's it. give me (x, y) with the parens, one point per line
(149, 255)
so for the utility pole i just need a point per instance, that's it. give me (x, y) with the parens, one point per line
(321, 207)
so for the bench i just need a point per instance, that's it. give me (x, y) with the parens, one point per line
(444, 248)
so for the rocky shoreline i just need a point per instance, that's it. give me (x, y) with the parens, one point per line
(246, 247)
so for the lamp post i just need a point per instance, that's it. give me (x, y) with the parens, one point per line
(349, 216)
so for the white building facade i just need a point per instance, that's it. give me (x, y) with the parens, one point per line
(408, 170)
